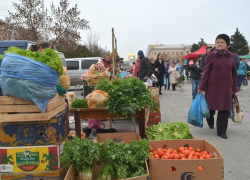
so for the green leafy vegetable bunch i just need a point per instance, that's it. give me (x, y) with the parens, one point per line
(126, 96)
(79, 103)
(49, 57)
(163, 131)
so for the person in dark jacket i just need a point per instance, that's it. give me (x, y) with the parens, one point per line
(153, 71)
(144, 68)
(203, 57)
(159, 64)
(196, 77)
(219, 81)
(167, 74)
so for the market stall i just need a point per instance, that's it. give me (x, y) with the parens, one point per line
(195, 54)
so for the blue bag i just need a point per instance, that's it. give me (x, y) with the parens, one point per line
(195, 116)
(205, 109)
(123, 74)
(164, 81)
(28, 79)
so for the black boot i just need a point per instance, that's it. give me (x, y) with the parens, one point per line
(160, 90)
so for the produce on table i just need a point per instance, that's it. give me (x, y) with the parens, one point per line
(96, 73)
(79, 103)
(81, 153)
(97, 99)
(181, 153)
(126, 96)
(49, 57)
(123, 160)
(163, 131)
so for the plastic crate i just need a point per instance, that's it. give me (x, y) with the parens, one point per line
(154, 118)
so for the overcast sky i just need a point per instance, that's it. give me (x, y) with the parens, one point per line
(138, 23)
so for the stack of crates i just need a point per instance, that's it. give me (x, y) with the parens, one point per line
(155, 113)
(31, 141)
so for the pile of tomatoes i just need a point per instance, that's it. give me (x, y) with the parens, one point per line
(182, 153)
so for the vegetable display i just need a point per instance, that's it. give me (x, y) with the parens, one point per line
(49, 57)
(182, 153)
(126, 96)
(122, 160)
(163, 131)
(79, 103)
(81, 153)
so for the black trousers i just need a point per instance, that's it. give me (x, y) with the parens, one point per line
(222, 121)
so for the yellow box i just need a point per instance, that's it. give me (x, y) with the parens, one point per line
(156, 107)
(30, 158)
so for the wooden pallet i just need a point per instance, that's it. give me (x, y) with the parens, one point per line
(14, 109)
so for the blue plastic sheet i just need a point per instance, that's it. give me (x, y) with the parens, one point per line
(123, 74)
(28, 79)
(198, 110)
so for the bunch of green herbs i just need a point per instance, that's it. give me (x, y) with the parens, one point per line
(126, 96)
(163, 131)
(79, 103)
(49, 57)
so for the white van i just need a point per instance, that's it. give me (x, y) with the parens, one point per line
(78, 66)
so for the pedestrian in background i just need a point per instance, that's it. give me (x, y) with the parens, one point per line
(137, 64)
(242, 73)
(219, 81)
(173, 70)
(199, 59)
(153, 70)
(247, 66)
(196, 77)
(144, 67)
(159, 65)
(203, 57)
(167, 74)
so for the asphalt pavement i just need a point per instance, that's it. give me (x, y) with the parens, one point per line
(175, 106)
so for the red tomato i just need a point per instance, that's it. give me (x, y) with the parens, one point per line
(160, 153)
(197, 154)
(159, 149)
(195, 157)
(190, 156)
(171, 156)
(164, 150)
(164, 157)
(187, 152)
(175, 151)
(204, 156)
(176, 156)
(152, 157)
(155, 152)
(201, 168)
(181, 149)
(212, 155)
(183, 152)
(198, 150)
(192, 152)
(191, 148)
(208, 156)
(186, 148)
(201, 157)
(157, 156)
(151, 149)
(205, 152)
(182, 156)
(170, 150)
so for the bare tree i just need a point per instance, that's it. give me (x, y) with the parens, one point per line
(92, 40)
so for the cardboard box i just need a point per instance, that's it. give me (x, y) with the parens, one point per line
(31, 158)
(154, 118)
(55, 175)
(160, 169)
(35, 133)
(154, 93)
(156, 107)
(118, 137)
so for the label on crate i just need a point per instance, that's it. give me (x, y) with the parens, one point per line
(6, 168)
(27, 160)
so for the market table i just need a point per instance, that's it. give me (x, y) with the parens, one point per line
(103, 113)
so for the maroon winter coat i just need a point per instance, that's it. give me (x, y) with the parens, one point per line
(219, 80)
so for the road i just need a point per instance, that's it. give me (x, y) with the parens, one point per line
(175, 106)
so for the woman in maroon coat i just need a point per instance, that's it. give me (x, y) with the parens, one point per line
(219, 81)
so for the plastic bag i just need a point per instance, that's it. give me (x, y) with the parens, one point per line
(93, 77)
(60, 90)
(195, 116)
(231, 115)
(150, 84)
(123, 74)
(93, 123)
(28, 79)
(97, 99)
(245, 82)
(164, 81)
(205, 109)
(65, 81)
(154, 78)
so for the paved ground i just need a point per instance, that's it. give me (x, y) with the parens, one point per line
(175, 106)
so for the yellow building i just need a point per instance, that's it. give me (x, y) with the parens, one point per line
(131, 58)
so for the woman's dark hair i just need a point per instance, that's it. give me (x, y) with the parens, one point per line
(39, 43)
(157, 59)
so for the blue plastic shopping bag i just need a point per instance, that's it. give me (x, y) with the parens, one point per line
(164, 81)
(198, 110)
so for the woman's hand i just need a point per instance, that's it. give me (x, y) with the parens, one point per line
(156, 69)
(200, 91)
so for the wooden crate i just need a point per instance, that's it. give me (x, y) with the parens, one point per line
(14, 109)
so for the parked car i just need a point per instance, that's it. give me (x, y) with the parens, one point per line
(79, 66)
